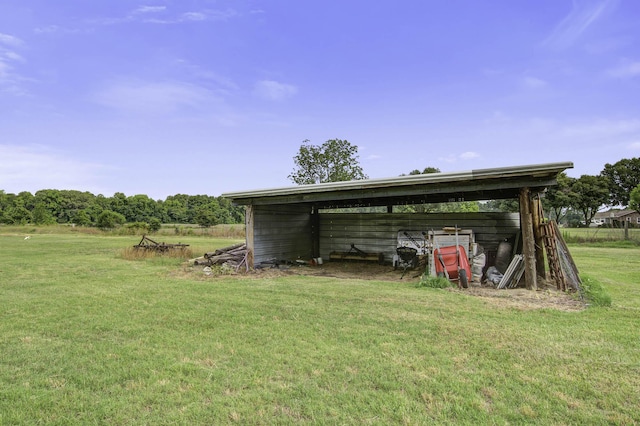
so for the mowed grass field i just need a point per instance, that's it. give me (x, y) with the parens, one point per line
(90, 337)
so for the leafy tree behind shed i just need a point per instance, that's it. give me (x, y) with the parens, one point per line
(634, 201)
(622, 177)
(558, 199)
(335, 160)
(589, 193)
(507, 206)
(448, 207)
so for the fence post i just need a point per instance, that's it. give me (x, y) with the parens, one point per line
(626, 229)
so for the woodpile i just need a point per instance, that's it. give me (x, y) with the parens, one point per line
(234, 256)
(561, 266)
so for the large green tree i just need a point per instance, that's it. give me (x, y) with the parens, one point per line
(41, 215)
(140, 208)
(426, 170)
(589, 194)
(622, 177)
(335, 160)
(558, 198)
(634, 199)
(459, 206)
(207, 215)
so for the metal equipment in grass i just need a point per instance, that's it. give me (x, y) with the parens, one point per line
(148, 244)
(407, 258)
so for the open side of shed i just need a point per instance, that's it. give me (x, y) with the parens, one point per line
(294, 222)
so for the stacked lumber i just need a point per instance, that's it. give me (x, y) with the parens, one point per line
(514, 272)
(234, 256)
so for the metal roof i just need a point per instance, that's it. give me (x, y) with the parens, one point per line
(480, 184)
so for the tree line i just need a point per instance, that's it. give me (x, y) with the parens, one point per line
(572, 201)
(52, 206)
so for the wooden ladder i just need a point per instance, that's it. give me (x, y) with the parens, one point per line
(549, 236)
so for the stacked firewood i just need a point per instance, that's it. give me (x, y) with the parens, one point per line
(235, 256)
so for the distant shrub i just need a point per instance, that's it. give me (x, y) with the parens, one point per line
(109, 219)
(138, 226)
(154, 224)
(594, 292)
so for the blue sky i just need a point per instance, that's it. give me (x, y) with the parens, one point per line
(204, 97)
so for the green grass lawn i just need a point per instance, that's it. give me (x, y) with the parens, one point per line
(89, 337)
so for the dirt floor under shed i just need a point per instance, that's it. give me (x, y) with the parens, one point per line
(546, 297)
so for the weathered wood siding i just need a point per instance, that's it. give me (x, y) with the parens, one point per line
(281, 232)
(378, 232)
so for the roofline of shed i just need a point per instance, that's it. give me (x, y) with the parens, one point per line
(479, 174)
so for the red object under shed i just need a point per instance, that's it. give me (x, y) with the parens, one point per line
(450, 258)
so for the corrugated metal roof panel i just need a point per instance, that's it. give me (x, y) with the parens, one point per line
(535, 170)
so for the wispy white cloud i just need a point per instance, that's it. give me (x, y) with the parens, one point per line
(454, 158)
(584, 14)
(165, 16)
(194, 16)
(148, 9)
(469, 155)
(35, 167)
(221, 83)
(10, 41)
(579, 139)
(10, 80)
(600, 130)
(273, 90)
(533, 83)
(448, 159)
(628, 70)
(634, 146)
(154, 98)
(608, 44)
(56, 29)
(497, 117)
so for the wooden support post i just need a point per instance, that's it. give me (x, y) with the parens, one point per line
(315, 233)
(537, 215)
(528, 242)
(248, 223)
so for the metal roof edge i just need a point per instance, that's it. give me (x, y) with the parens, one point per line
(532, 169)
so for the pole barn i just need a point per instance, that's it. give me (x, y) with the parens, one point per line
(309, 221)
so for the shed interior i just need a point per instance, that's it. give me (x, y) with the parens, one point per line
(301, 222)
